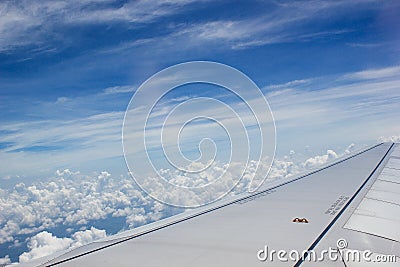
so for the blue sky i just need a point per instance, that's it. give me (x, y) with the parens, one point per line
(69, 68)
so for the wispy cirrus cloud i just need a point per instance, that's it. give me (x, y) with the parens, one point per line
(388, 72)
(349, 96)
(38, 146)
(25, 23)
(119, 89)
(280, 22)
(361, 104)
(354, 106)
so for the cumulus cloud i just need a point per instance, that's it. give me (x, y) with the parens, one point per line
(70, 198)
(318, 160)
(350, 148)
(285, 168)
(393, 138)
(66, 172)
(6, 260)
(45, 243)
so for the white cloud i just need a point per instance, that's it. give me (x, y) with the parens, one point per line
(8, 228)
(350, 148)
(281, 22)
(337, 109)
(73, 199)
(26, 22)
(6, 260)
(44, 243)
(338, 104)
(119, 89)
(389, 72)
(135, 11)
(66, 172)
(318, 160)
(393, 138)
(289, 84)
(84, 237)
(61, 100)
(74, 141)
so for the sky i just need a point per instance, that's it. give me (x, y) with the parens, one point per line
(330, 71)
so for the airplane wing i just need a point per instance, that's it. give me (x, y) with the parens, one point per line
(349, 206)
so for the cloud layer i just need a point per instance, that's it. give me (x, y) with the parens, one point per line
(72, 200)
(321, 110)
(45, 19)
(279, 22)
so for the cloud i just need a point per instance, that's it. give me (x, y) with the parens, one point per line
(118, 89)
(72, 199)
(84, 237)
(42, 21)
(366, 45)
(389, 72)
(280, 22)
(54, 142)
(44, 243)
(4, 261)
(289, 84)
(350, 148)
(62, 99)
(319, 160)
(339, 104)
(132, 11)
(393, 138)
(66, 172)
(8, 228)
